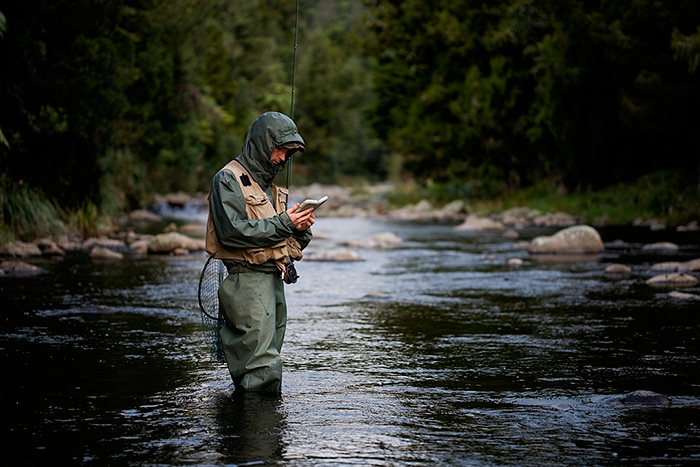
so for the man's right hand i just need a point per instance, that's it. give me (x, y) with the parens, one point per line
(302, 220)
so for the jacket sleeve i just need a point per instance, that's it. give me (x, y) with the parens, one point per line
(231, 223)
(303, 237)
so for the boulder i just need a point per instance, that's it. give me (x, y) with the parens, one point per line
(454, 208)
(692, 265)
(193, 230)
(50, 249)
(666, 266)
(683, 296)
(143, 216)
(480, 224)
(578, 239)
(103, 242)
(660, 246)
(333, 255)
(20, 268)
(140, 246)
(673, 279)
(380, 241)
(511, 234)
(100, 253)
(557, 219)
(618, 270)
(169, 242)
(20, 250)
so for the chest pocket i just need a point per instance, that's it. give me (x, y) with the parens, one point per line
(258, 207)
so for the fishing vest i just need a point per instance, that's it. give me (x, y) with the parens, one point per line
(258, 206)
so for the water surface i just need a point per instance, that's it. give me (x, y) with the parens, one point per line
(435, 351)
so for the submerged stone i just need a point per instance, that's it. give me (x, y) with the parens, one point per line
(646, 398)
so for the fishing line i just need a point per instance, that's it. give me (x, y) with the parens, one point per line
(291, 108)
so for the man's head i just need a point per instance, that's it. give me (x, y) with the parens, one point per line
(284, 152)
(271, 141)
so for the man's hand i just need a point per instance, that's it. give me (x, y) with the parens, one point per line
(302, 220)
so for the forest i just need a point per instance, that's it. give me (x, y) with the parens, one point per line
(105, 102)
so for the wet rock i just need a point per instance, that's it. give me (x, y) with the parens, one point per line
(169, 242)
(683, 296)
(101, 253)
(69, 243)
(653, 224)
(519, 216)
(579, 239)
(103, 242)
(666, 266)
(480, 224)
(618, 270)
(692, 265)
(20, 268)
(141, 216)
(511, 234)
(453, 209)
(193, 230)
(557, 219)
(673, 279)
(660, 246)
(20, 250)
(377, 296)
(691, 227)
(50, 249)
(381, 241)
(420, 211)
(140, 246)
(333, 255)
(646, 399)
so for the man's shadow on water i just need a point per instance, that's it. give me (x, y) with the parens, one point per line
(250, 426)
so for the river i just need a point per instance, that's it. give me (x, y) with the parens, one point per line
(432, 352)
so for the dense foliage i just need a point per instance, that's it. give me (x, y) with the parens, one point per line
(510, 91)
(105, 102)
(112, 100)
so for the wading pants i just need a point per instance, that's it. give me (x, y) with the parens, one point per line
(255, 310)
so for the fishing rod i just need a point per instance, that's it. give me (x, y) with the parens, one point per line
(290, 274)
(291, 109)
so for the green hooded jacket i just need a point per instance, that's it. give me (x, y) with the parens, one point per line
(228, 207)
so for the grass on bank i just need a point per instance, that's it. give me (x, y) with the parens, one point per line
(27, 214)
(667, 197)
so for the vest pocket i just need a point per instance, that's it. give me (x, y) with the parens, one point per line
(262, 255)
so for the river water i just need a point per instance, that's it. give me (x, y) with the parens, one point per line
(433, 352)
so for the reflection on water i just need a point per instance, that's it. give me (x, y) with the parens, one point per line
(434, 352)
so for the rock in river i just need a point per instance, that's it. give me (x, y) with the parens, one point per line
(673, 279)
(169, 242)
(579, 239)
(645, 398)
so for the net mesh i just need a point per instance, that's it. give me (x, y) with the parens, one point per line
(213, 274)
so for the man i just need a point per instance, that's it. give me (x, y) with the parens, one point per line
(253, 232)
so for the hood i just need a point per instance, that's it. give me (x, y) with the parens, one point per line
(269, 130)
